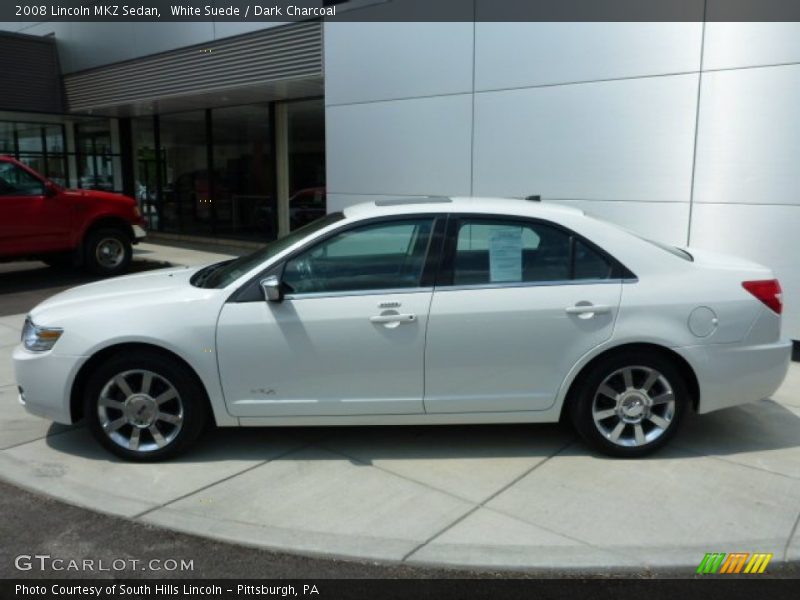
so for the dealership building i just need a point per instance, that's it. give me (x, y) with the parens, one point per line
(686, 132)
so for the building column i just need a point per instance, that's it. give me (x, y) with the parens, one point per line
(282, 167)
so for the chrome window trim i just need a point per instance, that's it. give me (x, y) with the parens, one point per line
(345, 294)
(448, 288)
(523, 284)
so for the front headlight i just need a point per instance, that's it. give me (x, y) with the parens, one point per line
(39, 339)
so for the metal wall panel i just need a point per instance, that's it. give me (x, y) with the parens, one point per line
(733, 45)
(623, 140)
(416, 146)
(748, 142)
(663, 221)
(276, 54)
(766, 234)
(386, 61)
(509, 55)
(30, 75)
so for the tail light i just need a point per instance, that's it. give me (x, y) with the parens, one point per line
(768, 291)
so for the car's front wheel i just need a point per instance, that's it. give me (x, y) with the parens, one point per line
(630, 404)
(144, 406)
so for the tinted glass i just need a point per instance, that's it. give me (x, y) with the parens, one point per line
(499, 251)
(590, 264)
(509, 251)
(221, 274)
(373, 257)
(16, 182)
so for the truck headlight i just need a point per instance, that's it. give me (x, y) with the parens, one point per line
(39, 339)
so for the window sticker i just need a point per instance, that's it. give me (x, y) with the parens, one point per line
(505, 254)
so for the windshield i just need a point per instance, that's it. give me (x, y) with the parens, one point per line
(226, 272)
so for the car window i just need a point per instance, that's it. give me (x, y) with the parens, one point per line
(509, 251)
(15, 181)
(372, 257)
(224, 273)
(590, 264)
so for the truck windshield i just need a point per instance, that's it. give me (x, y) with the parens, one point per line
(226, 272)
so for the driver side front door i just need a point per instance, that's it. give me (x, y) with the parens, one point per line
(348, 337)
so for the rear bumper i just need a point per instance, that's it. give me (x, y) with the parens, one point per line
(733, 374)
(138, 233)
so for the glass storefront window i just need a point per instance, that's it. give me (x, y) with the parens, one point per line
(96, 159)
(7, 138)
(29, 138)
(244, 178)
(306, 129)
(186, 189)
(39, 145)
(145, 170)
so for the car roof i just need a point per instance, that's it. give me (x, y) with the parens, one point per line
(457, 204)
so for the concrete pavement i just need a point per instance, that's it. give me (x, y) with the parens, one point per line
(516, 496)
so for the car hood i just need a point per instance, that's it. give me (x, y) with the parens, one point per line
(120, 293)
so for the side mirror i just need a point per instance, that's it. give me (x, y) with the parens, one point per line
(271, 286)
(50, 190)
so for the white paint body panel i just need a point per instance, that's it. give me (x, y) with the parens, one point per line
(502, 354)
(491, 350)
(299, 357)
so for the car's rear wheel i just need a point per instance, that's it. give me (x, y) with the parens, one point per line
(145, 407)
(107, 251)
(630, 404)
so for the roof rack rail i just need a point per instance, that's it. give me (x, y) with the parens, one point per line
(419, 200)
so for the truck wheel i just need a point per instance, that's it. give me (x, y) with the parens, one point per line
(107, 252)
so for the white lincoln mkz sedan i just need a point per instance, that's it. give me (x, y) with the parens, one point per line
(418, 311)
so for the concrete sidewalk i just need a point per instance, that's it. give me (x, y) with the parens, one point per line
(516, 496)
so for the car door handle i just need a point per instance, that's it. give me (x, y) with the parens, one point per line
(584, 309)
(395, 318)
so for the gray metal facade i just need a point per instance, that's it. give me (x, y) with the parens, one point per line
(685, 132)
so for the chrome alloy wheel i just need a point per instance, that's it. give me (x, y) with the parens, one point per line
(110, 253)
(633, 406)
(140, 410)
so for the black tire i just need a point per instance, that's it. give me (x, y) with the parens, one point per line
(586, 400)
(107, 251)
(190, 406)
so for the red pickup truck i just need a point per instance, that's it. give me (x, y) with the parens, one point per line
(41, 220)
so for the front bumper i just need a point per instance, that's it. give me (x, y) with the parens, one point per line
(733, 374)
(45, 380)
(139, 233)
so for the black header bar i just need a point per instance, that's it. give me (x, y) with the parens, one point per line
(282, 11)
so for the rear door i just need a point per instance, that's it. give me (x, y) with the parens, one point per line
(519, 302)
